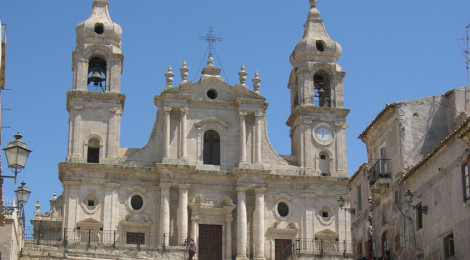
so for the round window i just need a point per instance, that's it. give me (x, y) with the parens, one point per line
(282, 209)
(137, 202)
(212, 94)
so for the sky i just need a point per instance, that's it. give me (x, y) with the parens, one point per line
(392, 51)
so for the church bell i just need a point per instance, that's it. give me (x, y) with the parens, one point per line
(96, 77)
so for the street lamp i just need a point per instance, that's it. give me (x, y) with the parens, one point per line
(341, 203)
(22, 196)
(409, 198)
(17, 153)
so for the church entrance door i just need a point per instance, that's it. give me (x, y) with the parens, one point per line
(280, 245)
(210, 242)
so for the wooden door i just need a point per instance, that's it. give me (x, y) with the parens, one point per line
(280, 245)
(210, 242)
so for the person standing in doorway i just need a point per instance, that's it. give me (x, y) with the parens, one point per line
(192, 249)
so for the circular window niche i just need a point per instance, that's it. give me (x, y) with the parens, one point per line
(212, 94)
(99, 28)
(282, 209)
(137, 202)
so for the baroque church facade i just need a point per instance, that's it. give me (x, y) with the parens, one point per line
(208, 171)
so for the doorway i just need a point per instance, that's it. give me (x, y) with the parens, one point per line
(210, 242)
(280, 245)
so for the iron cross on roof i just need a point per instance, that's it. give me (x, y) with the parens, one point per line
(211, 38)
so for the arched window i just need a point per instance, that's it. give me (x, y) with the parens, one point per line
(93, 153)
(211, 147)
(384, 244)
(97, 75)
(322, 93)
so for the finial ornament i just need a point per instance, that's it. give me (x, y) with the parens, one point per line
(210, 61)
(242, 75)
(313, 3)
(256, 82)
(169, 78)
(184, 72)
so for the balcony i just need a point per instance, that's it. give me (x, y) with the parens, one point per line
(69, 240)
(379, 175)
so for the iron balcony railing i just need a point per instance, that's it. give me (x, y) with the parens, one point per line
(317, 247)
(97, 238)
(380, 169)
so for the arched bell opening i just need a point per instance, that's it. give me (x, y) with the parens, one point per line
(322, 90)
(93, 151)
(97, 75)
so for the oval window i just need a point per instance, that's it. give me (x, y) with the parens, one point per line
(137, 202)
(282, 209)
(212, 94)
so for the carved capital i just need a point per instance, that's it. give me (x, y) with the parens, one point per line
(184, 110)
(260, 190)
(78, 108)
(308, 121)
(243, 114)
(168, 109)
(241, 189)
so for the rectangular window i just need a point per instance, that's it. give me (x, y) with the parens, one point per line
(449, 246)
(135, 238)
(466, 180)
(419, 216)
(359, 198)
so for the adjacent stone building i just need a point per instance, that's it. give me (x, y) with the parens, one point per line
(208, 171)
(411, 199)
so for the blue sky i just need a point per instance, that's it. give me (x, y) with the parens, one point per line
(391, 52)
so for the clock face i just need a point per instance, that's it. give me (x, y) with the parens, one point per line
(323, 133)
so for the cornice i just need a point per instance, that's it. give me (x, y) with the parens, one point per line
(310, 111)
(94, 95)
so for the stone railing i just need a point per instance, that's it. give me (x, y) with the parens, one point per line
(101, 238)
(303, 246)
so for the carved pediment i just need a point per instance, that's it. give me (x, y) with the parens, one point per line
(326, 234)
(89, 223)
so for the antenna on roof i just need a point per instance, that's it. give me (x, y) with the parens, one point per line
(466, 52)
(211, 39)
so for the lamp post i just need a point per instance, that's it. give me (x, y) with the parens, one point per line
(17, 153)
(341, 203)
(409, 199)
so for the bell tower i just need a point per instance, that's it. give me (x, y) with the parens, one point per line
(95, 103)
(318, 119)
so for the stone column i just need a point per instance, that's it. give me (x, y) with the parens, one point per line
(242, 137)
(165, 212)
(258, 118)
(259, 224)
(184, 112)
(228, 226)
(183, 212)
(241, 224)
(194, 227)
(166, 132)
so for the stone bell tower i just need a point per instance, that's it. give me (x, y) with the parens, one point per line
(317, 119)
(95, 104)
